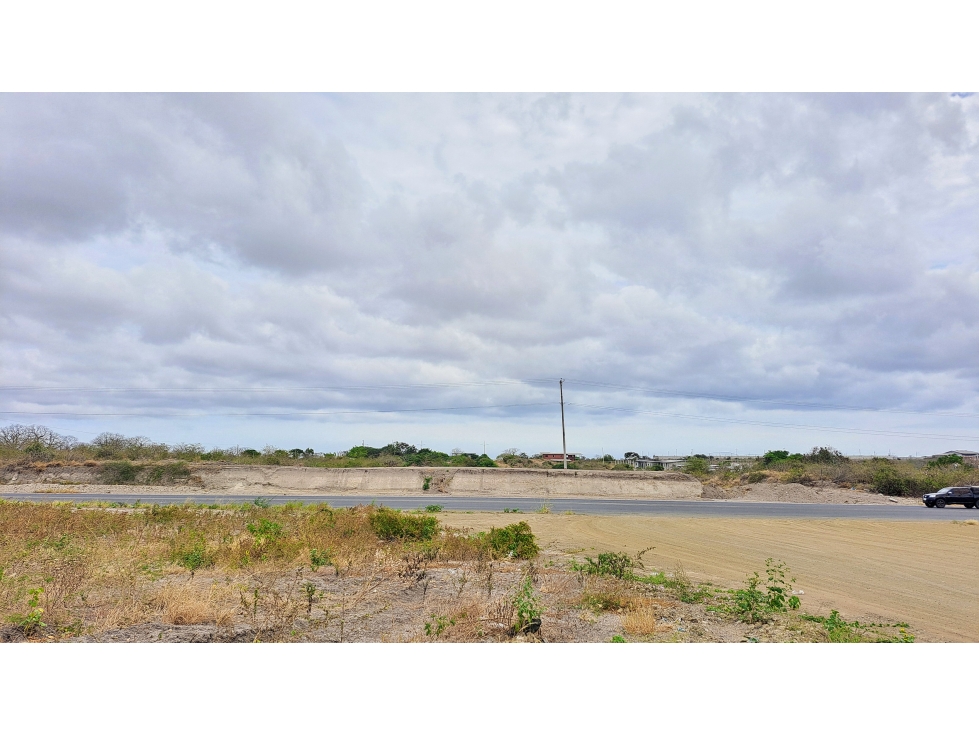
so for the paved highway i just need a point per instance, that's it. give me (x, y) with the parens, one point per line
(674, 508)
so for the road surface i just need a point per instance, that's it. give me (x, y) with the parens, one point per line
(675, 508)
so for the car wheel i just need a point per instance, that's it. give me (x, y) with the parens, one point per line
(969, 505)
(929, 504)
(939, 504)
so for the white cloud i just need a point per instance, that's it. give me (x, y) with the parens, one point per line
(806, 248)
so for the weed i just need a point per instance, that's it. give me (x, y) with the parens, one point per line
(318, 558)
(512, 541)
(426, 484)
(753, 604)
(511, 509)
(618, 565)
(433, 508)
(30, 623)
(839, 630)
(528, 608)
(309, 590)
(391, 524)
(194, 557)
(618, 638)
(544, 509)
(438, 625)
(262, 502)
(684, 589)
(265, 531)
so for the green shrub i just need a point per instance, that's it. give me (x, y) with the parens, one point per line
(265, 531)
(697, 465)
(754, 604)
(943, 461)
(30, 623)
(194, 556)
(433, 508)
(119, 472)
(391, 524)
(167, 473)
(607, 564)
(318, 558)
(513, 541)
(839, 630)
(528, 607)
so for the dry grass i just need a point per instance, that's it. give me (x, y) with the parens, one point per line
(303, 573)
(183, 603)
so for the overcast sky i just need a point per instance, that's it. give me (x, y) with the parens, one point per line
(785, 254)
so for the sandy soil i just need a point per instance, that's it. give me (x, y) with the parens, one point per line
(821, 494)
(920, 573)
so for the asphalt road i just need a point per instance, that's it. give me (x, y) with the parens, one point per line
(673, 508)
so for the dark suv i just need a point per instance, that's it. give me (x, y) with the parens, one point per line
(968, 496)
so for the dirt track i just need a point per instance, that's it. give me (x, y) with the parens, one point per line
(921, 573)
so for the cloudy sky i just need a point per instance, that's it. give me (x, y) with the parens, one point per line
(725, 273)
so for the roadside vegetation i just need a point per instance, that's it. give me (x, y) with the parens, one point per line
(117, 459)
(293, 572)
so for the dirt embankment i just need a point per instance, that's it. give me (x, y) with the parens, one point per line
(260, 479)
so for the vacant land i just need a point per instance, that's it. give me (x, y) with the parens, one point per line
(254, 572)
(921, 573)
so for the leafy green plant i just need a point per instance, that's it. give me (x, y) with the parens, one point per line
(433, 508)
(839, 630)
(618, 638)
(391, 524)
(264, 531)
(607, 564)
(426, 484)
(511, 509)
(438, 625)
(262, 502)
(318, 558)
(755, 603)
(31, 622)
(528, 608)
(195, 556)
(512, 541)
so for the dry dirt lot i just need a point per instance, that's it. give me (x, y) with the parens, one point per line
(923, 573)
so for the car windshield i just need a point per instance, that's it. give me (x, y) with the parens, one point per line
(946, 490)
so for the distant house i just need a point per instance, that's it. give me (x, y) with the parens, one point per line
(654, 462)
(969, 457)
(560, 457)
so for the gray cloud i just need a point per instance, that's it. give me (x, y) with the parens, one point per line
(818, 248)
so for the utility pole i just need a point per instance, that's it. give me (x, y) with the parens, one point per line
(564, 443)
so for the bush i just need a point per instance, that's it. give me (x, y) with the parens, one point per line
(948, 460)
(194, 556)
(390, 524)
(513, 541)
(697, 465)
(119, 472)
(608, 564)
(167, 473)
